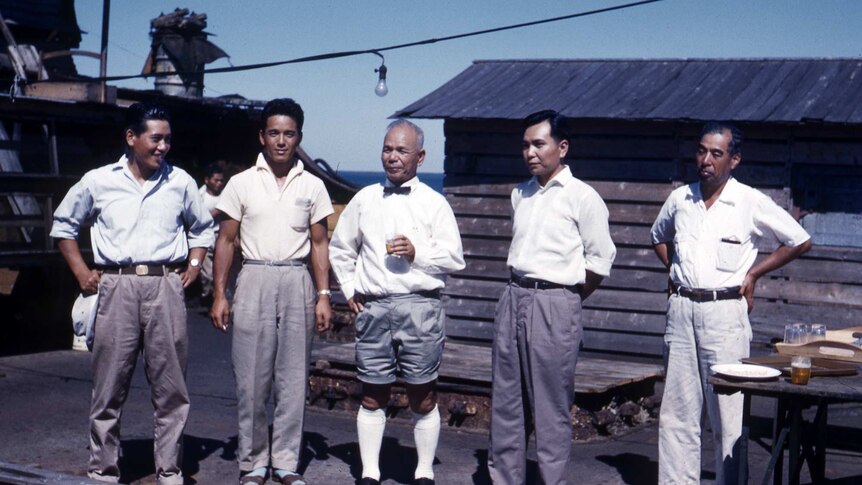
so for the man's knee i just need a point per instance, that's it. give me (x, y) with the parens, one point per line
(422, 397)
(375, 396)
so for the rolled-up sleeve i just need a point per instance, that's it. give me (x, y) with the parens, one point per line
(197, 218)
(344, 248)
(73, 211)
(768, 216)
(663, 228)
(599, 248)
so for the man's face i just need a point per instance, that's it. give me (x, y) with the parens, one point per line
(714, 161)
(215, 183)
(150, 147)
(280, 139)
(401, 154)
(542, 153)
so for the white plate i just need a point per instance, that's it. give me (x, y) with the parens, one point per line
(746, 371)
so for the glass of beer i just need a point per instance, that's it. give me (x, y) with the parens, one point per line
(390, 241)
(800, 370)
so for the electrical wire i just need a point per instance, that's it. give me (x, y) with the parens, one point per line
(378, 50)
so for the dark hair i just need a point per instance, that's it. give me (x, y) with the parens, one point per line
(138, 114)
(556, 120)
(285, 107)
(213, 169)
(734, 146)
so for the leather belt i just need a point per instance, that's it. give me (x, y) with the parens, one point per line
(141, 269)
(700, 295)
(537, 284)
(263, 262)
(433, 294)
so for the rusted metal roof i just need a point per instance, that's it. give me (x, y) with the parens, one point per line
(764, 90)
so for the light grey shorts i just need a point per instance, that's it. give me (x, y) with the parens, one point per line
(399, 333)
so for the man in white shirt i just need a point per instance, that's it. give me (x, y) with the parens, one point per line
(210, 192)
(393, 246)
(561, 250)
(707, 234)
(140, 208)
(279, 212)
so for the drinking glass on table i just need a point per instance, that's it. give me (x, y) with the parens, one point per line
(800, 370)
(818, 332)
(796, 333)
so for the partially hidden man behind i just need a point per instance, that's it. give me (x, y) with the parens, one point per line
(278, 211)
(210, 191)
(707, 234)
(139, 207)
(393, 246)
(561, 250)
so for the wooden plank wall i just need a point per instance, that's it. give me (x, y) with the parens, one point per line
(634, 167)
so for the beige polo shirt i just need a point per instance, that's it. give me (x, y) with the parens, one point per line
(275, 223)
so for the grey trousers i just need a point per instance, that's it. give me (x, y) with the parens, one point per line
(139, 313)
(536, 338)
(273, 316)
(699, 335)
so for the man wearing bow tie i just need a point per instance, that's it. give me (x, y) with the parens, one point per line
(391, 251)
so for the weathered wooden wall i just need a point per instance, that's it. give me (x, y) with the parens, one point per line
(634, 167)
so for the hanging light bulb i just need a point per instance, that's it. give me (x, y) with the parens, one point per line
(381, 88)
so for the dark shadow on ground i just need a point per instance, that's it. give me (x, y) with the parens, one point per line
(397, 462)
(482, 477)
(136, 459)
(633, 469)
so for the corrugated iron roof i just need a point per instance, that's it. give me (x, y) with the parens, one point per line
(774, 90)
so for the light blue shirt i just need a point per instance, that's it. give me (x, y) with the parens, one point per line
(153, 223)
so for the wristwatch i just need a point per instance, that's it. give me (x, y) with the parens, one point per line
(194, 262)
(324, 292)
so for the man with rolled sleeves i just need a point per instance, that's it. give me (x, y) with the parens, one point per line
(140, 208)
(278, 210)
(391, 251)
(561, 250)
(707, 234)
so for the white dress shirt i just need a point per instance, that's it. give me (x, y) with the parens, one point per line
(560, 231)
(210, 201)
(275, 222)
(715, 248)
(134, 223)
(358, 248)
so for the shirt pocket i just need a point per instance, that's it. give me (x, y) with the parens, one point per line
(729, 255)
(683, 247)
(300, 215)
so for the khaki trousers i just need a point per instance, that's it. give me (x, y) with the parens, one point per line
(273, 317)
(139, 313)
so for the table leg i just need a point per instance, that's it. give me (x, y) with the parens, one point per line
(817, 466)
(779, 435)
(743, 438)
(794, 465)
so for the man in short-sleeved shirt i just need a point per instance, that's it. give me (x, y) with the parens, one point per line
(139, 208)
(210, 192)
(707, 234)
(391, 251)
(279, 212)
(561, 250)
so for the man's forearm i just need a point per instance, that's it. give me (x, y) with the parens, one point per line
(592, 282)
(778, 258)
(222, 261)
(72, 254)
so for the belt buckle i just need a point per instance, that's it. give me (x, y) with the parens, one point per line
(142, 270)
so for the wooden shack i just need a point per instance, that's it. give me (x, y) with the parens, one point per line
(635, 126)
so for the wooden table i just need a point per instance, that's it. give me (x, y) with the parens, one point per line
(788, 425)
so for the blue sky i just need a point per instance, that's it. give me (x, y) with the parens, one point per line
(345, 120)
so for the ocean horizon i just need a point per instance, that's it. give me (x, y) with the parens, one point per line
(363, 178)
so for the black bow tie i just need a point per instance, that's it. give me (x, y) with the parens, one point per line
(396, 190)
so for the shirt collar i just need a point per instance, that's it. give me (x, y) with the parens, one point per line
(562, 178)
(730, 194)
(261, 164)
(410, 183)
(123, 165)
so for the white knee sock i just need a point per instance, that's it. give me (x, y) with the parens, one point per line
(426, 432)
(370, 426)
